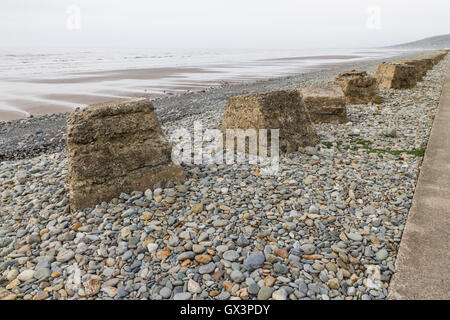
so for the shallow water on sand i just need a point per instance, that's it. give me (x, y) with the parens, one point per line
(39, 81)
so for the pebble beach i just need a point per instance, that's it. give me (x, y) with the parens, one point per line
(327, 226)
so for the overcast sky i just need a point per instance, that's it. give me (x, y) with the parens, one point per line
(287, 24)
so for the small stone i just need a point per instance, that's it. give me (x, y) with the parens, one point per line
(203, 259)
(193, 286)
(253, 289)
(182, 296)
(197, 208)
(282, 253)
(308, 180)
(280, 294)
(31, 239)
(152, 247)
(185, 235)
(148, 194)
(222, 248)
(254, 261)
(146, 216)
(333, 284)
(6, 295)
(65, 256)
(163, 254)
(110, 291)
(26, 275)
(213, 293)
(265, 293)
(280, 268)
(127, 255)
(165, 293)
(313, 210)
(242, 241)
(92, 286)
(382, 254)
(55, 274)
(318, 266)
(331, 266)
(186, 255)
(308, 248)
(354, 236)
(237, 276)
(220, 223)
(310, 151)
(309, 222)
(351, 291)
(390, 132)
(12, 284)
(207, 268)
(218, 275)
(12, 274)
(231, 255)
(198, 248)
(181, 188)
(374, 240)
(269, 281)
(42, 274)
(228, 286)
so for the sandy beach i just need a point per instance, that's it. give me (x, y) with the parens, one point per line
(63, 88)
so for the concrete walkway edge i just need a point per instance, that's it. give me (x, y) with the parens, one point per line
(423, 261)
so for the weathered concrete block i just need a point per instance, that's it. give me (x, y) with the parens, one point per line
(442, 54)
(116, 147)
(436, 57)
(421, 67)
(325, 104)
(423, 64)
(283, 110)
(358, 87)
(428, 62)
(396, 76)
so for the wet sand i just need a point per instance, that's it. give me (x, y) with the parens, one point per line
(335, 57)
(63, 92)
(112, 75)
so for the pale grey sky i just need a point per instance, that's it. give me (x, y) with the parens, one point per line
(286, 24)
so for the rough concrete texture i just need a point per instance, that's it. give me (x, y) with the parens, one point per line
(283, 110)
(423, 64)
(396, 76)
(116, 147)
(437, 57)
(325, 104)
(421, 67)
(358, 87)
(423, 261)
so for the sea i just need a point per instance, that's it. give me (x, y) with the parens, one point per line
(48, 80)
